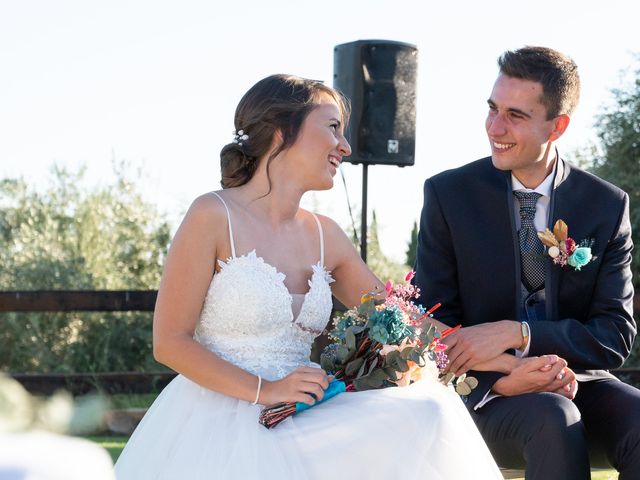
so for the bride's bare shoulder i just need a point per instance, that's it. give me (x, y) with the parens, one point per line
(330, 228)
(337, 243)
(207, 209)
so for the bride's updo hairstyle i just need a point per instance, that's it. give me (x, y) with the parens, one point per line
(278, 102)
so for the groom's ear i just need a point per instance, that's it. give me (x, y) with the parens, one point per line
(560, 124)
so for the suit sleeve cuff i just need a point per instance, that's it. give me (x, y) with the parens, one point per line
(485, 382)
(487, 398)
(525, 352)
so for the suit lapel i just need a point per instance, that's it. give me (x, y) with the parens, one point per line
(515, 242)
(559, 208)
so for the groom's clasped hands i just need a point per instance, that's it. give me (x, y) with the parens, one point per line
(481, 347)
(547, 373)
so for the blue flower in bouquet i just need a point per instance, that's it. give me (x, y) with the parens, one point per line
(342, 325)
(387, 326)
(379, 333)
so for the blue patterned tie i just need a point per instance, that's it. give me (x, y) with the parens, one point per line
(531, 249)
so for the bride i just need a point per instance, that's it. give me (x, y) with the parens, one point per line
(246, 288)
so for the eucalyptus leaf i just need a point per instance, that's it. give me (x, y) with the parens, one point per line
(363, 383)
(362, 369)
(354, 366)
(471, 381)
(379, 375)
(373, 365)
(408, 352)
(392, 373)
(350, 339)
(448, 378)
(358, 329)
(462, 388)
(416, 357)
(367, 308)
(391, 357)
(342, 354)
(426, 337)
(371, 381)
(401, 365)
(326, 362)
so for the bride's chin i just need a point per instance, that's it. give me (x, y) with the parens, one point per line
(325, 184)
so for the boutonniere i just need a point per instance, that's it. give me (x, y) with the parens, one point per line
(563, 249)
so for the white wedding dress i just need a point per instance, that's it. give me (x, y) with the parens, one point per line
(422, 431)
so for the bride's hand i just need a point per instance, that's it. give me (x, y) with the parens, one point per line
(296, 387)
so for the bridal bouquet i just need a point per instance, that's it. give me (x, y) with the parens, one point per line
(378, 344)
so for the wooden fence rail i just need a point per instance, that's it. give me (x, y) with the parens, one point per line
(89, 301)
(122, 301)
(78, 301)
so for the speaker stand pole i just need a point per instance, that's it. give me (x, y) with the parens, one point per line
(363, 221)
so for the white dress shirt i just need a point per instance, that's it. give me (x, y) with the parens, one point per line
(540, 219)
(540, 223)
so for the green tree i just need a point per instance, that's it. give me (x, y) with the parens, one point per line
(70, 237)
(616, 158)
(412, 246)
(381, 265)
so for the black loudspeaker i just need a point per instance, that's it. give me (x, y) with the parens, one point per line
(379, 78)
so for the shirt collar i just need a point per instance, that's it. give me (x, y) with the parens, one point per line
(543, 189)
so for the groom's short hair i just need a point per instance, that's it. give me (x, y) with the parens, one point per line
(557, 73)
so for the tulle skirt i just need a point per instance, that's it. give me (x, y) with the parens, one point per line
(422, 431)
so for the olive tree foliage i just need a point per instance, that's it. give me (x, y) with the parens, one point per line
(68, 236)
(616, 158)
(384, 267)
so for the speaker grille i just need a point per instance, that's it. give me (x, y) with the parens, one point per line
(380, 80)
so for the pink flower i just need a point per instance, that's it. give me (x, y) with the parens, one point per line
(570, 245)
(439, 347)
(388, 287)
(409, 276)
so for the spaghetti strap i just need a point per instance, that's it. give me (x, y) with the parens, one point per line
(321, 239)
(233, 247)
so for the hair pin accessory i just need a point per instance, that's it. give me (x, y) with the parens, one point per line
(239, 137)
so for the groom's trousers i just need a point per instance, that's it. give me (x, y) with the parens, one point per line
(553, 437)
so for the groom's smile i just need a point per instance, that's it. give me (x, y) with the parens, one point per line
(518, 129)
(501, 147)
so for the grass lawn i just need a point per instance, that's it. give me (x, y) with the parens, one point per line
(113, 445)
(604, 475)
(122, 400)
(598, 475)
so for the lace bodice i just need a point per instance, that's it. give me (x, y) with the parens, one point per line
(247, 316)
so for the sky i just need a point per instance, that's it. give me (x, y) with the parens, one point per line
(156, 83)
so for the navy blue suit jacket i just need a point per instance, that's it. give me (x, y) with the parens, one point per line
(468, 259)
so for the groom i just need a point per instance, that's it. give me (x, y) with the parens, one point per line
(551, 402)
